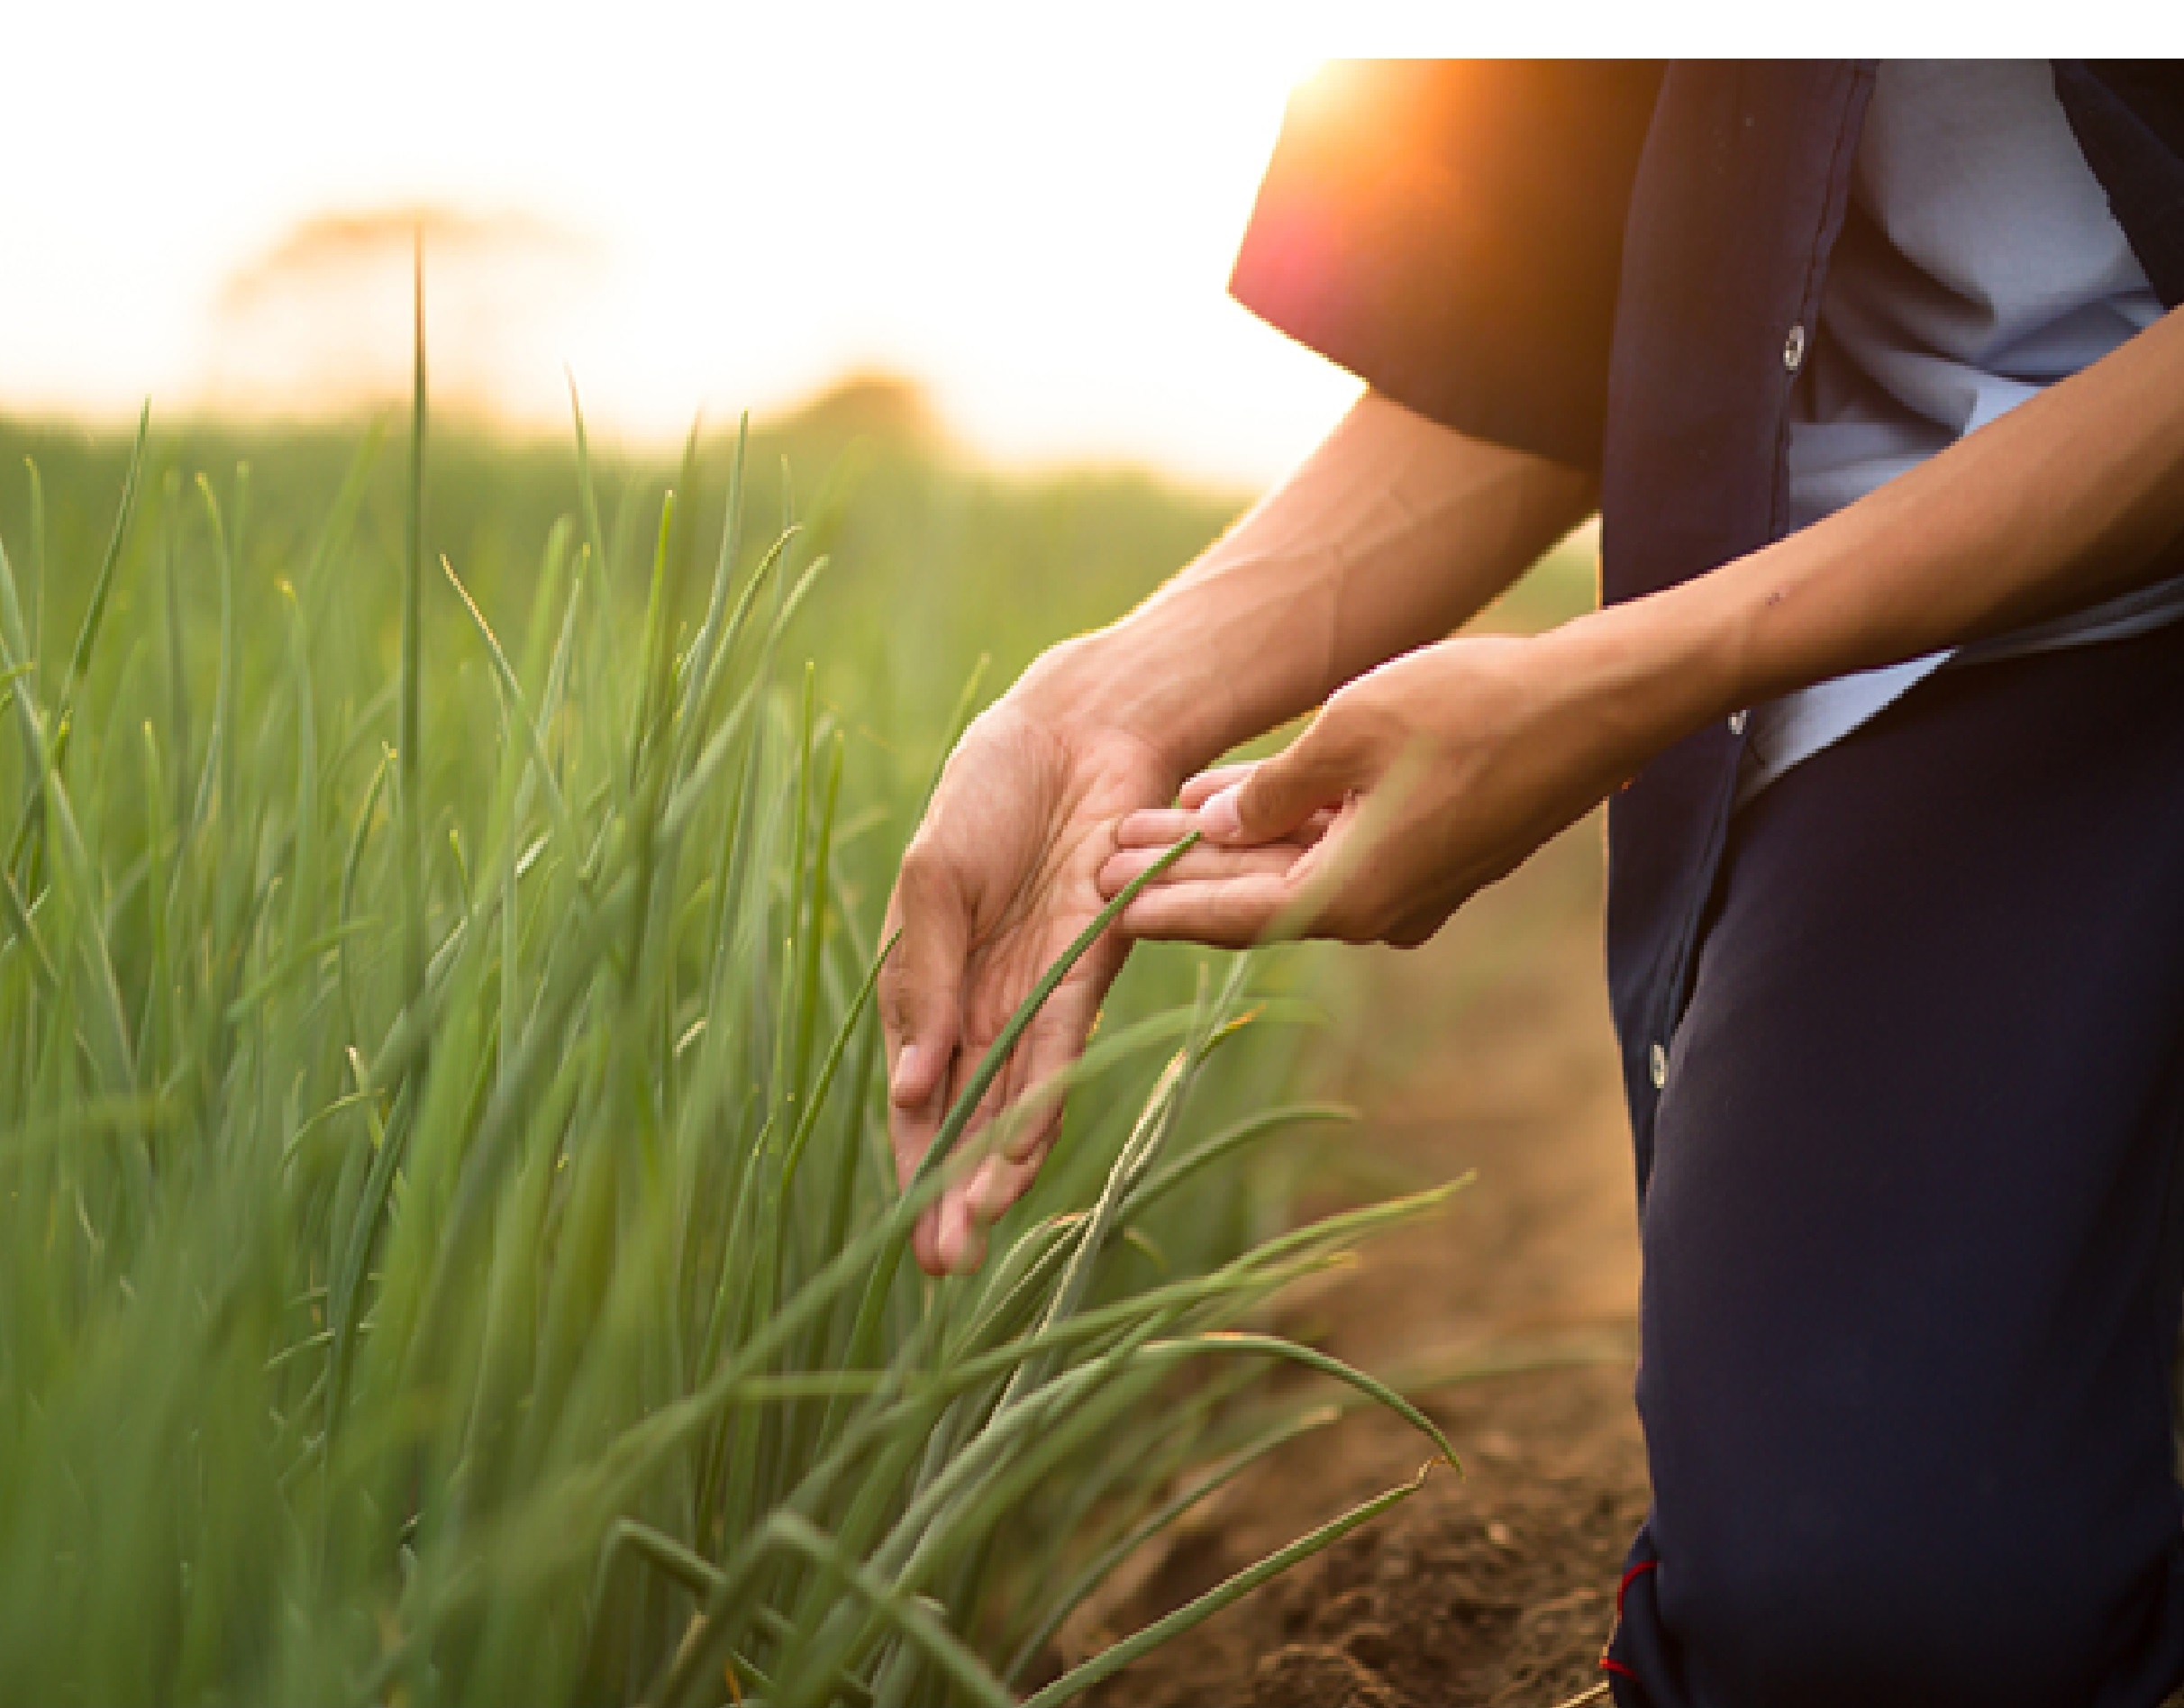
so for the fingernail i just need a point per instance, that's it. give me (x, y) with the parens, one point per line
(1219, 818)
(971, 1254)
(906, 1074)
(961, 1244)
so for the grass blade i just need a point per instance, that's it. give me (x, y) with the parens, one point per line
(1108, 1662)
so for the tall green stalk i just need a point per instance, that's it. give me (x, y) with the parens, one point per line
(449, 1242)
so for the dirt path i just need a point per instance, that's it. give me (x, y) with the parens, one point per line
(1489, 1052)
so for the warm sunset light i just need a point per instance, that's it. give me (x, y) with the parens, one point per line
(690, 208)
(1008, 987)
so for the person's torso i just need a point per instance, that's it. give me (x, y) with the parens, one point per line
(1743, 190)
(1978, 263)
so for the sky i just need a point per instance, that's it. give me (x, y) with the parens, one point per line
(688, 207)
(1031, 208)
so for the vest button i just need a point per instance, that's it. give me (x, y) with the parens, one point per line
(1736, 722)
(1657, 1064)
(1793, 348)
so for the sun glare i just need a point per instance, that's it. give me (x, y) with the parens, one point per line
(691, 208)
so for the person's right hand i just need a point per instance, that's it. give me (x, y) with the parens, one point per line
(999, 879)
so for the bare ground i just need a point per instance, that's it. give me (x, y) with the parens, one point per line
(1487, 1051)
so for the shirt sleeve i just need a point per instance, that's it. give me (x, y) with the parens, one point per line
(1451, 232)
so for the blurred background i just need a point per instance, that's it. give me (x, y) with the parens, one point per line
(967, 270)
(1029, 214)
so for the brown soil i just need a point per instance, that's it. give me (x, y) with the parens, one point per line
(1490, 1051)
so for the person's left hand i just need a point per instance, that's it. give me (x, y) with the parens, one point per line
(1418, 784)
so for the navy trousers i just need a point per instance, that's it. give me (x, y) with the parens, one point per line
(1913, 1264)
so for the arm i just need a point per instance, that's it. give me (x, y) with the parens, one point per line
(2068, 499)
(1392, 533)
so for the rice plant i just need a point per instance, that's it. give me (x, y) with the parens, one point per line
(449, 1250)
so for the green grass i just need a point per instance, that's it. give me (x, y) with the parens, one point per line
(448, 1250)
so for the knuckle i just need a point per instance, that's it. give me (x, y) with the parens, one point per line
(896, 990)
(1348, 733)
(925, 883)
(1332, 729)
(921, 867)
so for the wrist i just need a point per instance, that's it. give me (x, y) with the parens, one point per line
(1644, 674)
(1117, 678)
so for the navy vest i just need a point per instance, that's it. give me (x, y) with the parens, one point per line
(1739, 197)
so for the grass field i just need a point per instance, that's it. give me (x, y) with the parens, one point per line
(448, 1249)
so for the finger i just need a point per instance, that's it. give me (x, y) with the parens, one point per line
(1164, 827)
(1018, 1119)
(1051, 1047)
(925, 1241)
(1000, 1183)
(1022, 1097)
(921, 987)
(1155, 827)
(1320, 770)
(969, 1206)
(962, 1241)
(934, 1240)
(1035, 1103)
(920, 1004)
(1203, 788)
(1203, 863)
(990, 1120)
(1233, 913)
(1315, 827)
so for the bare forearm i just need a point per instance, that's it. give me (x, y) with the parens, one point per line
(2071, 498)
(1392, 533)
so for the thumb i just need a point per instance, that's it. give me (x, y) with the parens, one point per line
(921, 1000)
(1318, 769)
(920, 1009)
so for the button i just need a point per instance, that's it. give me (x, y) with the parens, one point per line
(1793, 348)
(1657, 1063)
(1737, 721)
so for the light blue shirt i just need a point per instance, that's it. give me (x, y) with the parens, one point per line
(1978, 263)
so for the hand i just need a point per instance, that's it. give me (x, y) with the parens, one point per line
(1418, 784)
(999, 879)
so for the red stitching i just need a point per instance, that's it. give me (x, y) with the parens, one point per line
(1635, 1572)
(1618, 1669)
